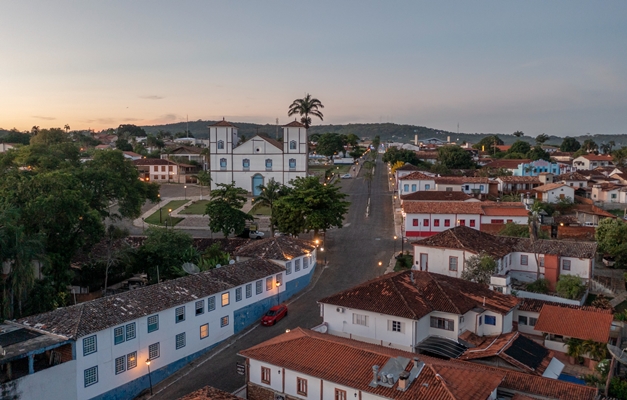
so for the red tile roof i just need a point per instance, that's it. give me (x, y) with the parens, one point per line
(535, 305)
(549, 186)
(223, 123)
(519, 179)
(597, 157)
(580, 324)
(209, 393)
(417, 176)
(282, 248)
(396, 294)
(442, 208)
(436, 195)
(571, 176)
(294, 124)
(460, 180)
(349, 362)
(507, 163)
(153, 161)
(506, 211)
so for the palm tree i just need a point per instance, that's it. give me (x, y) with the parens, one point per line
(270, 193)
(67, 128)
(204, 179)
(304, 107)
(22, 276)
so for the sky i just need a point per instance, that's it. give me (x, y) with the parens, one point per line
(557, 67)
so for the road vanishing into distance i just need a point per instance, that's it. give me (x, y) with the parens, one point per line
(353, 255)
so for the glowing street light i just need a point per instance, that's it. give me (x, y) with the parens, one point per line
(149, 377)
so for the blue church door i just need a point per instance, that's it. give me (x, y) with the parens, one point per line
(257, 181)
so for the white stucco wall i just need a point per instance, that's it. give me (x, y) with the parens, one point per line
(54, 383)
(407, 186)
(438, 259)
(528, 329)
(421, 229)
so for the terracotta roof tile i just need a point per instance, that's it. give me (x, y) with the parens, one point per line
(597, 157)
(294, 124)
(209, 393)
(435, 195)
(549, 186)
(282, 248)
(460, 180)
(223, 123)
(519, 179)
(507, 163)
(93, 316)
(535, 305)
(396, 294)
(571, 176)
(442, 208)
(580, 324)
(516, 209)
(417, 176)
(407, 167)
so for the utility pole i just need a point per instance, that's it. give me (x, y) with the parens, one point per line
(277, 129)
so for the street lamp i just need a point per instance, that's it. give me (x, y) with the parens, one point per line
(278, 289)
(149, 377)
(395, 237)
(185, 191)
(160, 219)
(380, 263)
(169, 216)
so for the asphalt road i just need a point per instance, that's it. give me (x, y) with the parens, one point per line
(353, 253)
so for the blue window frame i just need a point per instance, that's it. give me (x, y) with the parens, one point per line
(238, 294)
(180, 314)
(131, 360)
(288, 268)
(406, 188)
(131, 331)
(427, 187)
(490, 320)
(268, 163)
(259, 287)
(118, 335)
(211, 303)
(413, 188)
(223, 163)
(249, 290)
(481, 187)
(200, 307)
(292, 144)
(90, 345)
(180, 340)
(220, 144)
(246, 163)
(91, 376)
(292, 163)
(153, 323)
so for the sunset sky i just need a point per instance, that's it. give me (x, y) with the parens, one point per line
(558, 67)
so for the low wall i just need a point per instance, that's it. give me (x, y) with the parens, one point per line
(555, 299)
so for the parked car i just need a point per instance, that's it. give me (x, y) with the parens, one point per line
(346, 176)
(274, 315)
(248, 234)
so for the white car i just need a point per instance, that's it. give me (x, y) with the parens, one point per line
(346, 176)
(255, 235)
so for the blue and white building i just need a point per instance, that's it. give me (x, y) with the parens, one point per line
(535, 168)
(108, 342)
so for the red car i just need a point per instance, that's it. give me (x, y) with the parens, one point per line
(274, 315)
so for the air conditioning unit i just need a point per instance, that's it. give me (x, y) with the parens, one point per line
(340, 309)
(279, 396)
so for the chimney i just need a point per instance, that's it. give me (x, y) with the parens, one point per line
(375, 373)
(402, 380)
(448, 139)
(416, 361)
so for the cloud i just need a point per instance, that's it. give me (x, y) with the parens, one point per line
(130, 119)
(44, 118)
(151, 97)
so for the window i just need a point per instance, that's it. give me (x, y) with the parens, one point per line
(268, 164)
(496, 221)
(180, 314)
(89, 345)
(170, 168)
(118, 335)
(480, 320)
(268, 284)
(279, 279)
(447, 222)
(510, 220)
(415, 222)
(204, 331)
(120, 365)
(211, 303)
(297, 265)
(259, 287)
(452, 263)
(223, 163)
(462, 222)
(220, 144)
(427, 187)
(467, 187)
(224, 321)
(449, 189)
(425, 222)
(225, 299)
(162, 176)
(131, 360)
(340, 394)
(442, 323)
(249, 290)
(156, 169)
(292, 163)
(413, 188)
(163, 169)
(359, 319)
(436, 222)
(153, 323)
(522, 320)
(301, 386)
(265, 375)
(532, 321)
(524, 259)
(288, 268)
(153, 351)
(395, 326)
(238, 294)
(406, 188)
(472, 223)
(131, 332)
(541, 260)
(180, 340)
(490, 320)
(91, 376)
(200, 307)
(305, 262)
(246, 163)
(481, 187)
(292, 144)
(566, 265)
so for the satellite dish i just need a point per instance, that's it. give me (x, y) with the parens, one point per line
(218, 265)
(190, 268)
(231, 262)
(617, 353)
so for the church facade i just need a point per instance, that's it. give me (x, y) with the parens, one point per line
(259, 159)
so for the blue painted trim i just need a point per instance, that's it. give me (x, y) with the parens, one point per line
(131, 389)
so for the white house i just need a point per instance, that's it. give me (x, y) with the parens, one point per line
(447, 252)
(259, 159)
(592, 161)
(609, 193)
(574, 179)
(304, 364)
(414, 310)
(466, 184)
(415, 182)
(554, 192)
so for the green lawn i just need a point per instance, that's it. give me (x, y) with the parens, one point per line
(197, 207)
(160, 218)
(260, 210)
(618, 212)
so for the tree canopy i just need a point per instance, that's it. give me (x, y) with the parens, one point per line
(479, 268)
(393, 155)
(329, 144)
(131, 130)
(570, 144)
(225, 209)
(454, 157)
(611, 235)
(488, 142)
(305, 107)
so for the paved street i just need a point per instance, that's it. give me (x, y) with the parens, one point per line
(353, 253)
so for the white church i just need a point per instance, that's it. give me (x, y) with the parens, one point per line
(256, 161)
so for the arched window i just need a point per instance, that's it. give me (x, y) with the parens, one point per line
(246, 163)
(292, 163)
(268, 164)
(292, 144)
(220, 144)
(223, 163)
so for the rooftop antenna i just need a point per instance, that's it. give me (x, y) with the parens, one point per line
(277, 128)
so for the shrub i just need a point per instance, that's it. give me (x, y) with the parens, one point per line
(539, 286)
(570, 287)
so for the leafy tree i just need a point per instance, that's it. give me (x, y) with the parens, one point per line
(539, 286)
(570, 287)
(397, 165)
(589, 145)
(225, 209)
(204, 179)
(305, 107)
(618, 388)
(329, 144)
(611, 236)
(519, 134)
(620, 157)
(488, 143)
(516, 230)
(393, 155)
(310, 206)
(479, 268)
(123, 144)
(357, 152)
(153, 141)
(454, 157)
(541, 139)
(49, 136)
(376, 142)
(130, 130)
(270, 194)
(351, 139)
(537, 153)
(520, 146)
(111, 251)
(570, 144)
(17, 137)
(164, 252)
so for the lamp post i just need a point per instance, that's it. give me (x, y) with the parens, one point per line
(185, 191)
(160, 220)
(149, 377)
(395, 237)
(278, 290)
